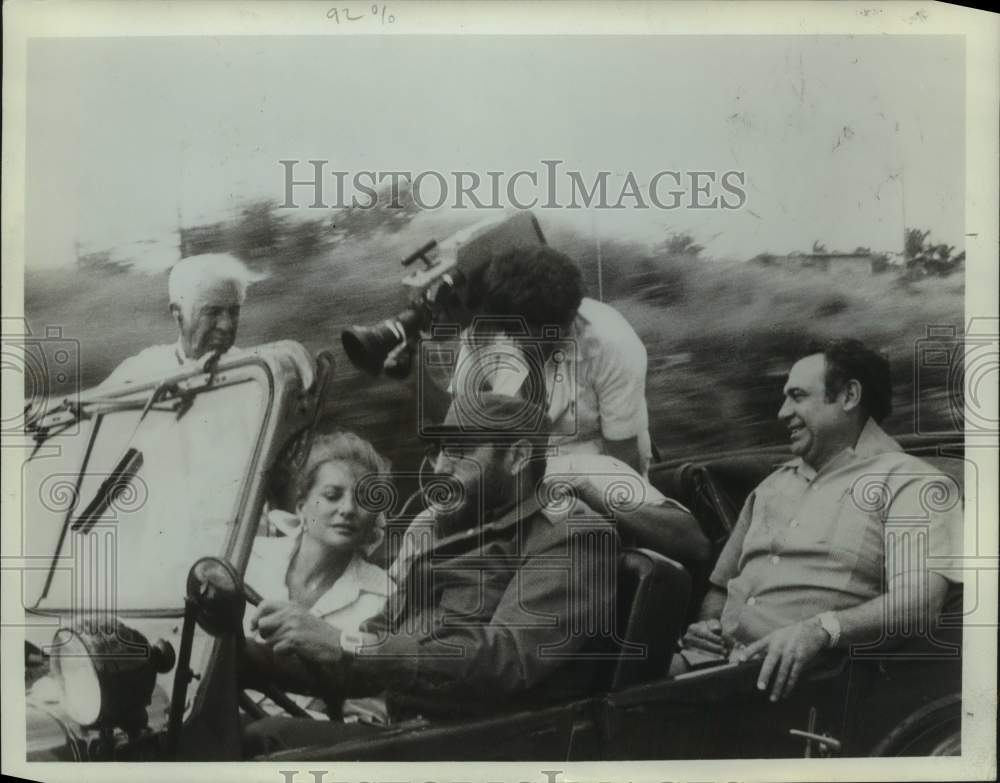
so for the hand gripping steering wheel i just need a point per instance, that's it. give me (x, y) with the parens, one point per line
(218, 597)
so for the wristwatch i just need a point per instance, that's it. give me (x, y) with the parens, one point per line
(828, 622)
(350, 641)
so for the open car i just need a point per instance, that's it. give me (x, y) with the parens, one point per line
(142, 505)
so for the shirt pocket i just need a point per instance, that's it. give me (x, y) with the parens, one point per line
(467, 596)
(771, 517)
(856, 534)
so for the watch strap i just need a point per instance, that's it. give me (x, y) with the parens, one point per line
(350, 642)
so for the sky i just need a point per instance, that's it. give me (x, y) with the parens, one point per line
(842, 139)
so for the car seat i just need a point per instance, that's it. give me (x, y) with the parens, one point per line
(650, 608)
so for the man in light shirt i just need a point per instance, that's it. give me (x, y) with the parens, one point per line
(591, 362)
(813, 561)
(206, 294)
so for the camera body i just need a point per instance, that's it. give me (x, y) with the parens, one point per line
(498, 355)
(440, 292)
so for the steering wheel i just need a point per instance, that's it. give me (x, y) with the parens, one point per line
(219, 596)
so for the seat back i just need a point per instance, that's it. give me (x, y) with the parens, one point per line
(652, 601)
(714, 491)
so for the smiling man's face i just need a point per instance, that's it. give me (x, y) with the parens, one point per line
(818, 428)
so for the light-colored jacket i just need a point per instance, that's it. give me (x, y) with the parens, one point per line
(358, 594)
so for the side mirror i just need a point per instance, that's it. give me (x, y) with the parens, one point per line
(216, 591)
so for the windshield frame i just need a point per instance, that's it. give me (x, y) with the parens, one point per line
(248, 369)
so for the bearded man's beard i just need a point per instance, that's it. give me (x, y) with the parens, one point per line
(455, 506)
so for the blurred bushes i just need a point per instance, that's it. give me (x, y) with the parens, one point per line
(927, 259)
(720, 335)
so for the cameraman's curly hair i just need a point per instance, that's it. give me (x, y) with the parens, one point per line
(539, 284)
(849, 359)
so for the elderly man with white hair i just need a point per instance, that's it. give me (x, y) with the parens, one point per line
(206, 293)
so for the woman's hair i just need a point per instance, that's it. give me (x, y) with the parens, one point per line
(373, 468)
(340, 446)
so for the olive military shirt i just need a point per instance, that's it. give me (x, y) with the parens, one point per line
(512, 611)
(807, 542)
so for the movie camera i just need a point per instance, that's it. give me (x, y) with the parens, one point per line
(441, 290)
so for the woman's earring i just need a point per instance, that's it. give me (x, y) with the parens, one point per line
(288, 523)
(377, 535)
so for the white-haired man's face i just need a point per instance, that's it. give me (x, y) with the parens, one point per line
(209, 319)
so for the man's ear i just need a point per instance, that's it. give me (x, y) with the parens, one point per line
(851, 395)
(517, 455)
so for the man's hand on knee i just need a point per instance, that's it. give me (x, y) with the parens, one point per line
(786, 653)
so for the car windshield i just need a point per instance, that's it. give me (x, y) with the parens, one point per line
(118, 507)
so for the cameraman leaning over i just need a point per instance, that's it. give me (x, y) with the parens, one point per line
(596, 396)
(529, 302)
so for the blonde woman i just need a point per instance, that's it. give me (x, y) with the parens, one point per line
(319, 569)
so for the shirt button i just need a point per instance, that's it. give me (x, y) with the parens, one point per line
(794, 523)
(751, 601)
(775, 559)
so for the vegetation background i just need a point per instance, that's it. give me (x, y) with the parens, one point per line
(720, 334)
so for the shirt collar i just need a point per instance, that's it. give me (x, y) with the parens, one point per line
(577, 333)
(359, 576)
(497, 519)
(872, 442)
(300, 356)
